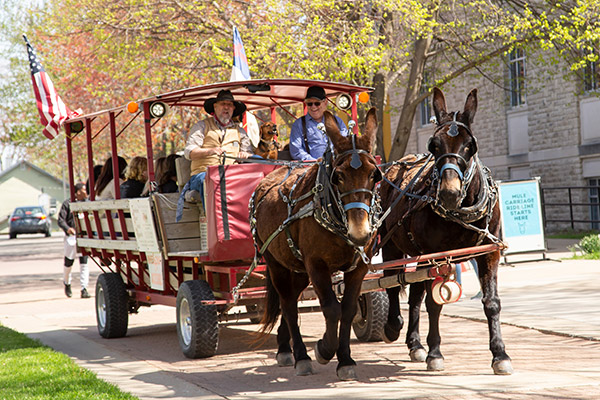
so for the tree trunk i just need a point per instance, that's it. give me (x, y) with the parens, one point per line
(411, 96)
(379, 102)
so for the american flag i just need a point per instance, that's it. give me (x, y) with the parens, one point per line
(53, 111)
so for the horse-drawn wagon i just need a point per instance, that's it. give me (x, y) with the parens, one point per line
(206, 265)
(146, 256)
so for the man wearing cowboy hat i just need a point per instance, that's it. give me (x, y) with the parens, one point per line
(307, 142)
(214, 137)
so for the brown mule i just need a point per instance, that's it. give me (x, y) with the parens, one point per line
(315, 221)
(452, 204)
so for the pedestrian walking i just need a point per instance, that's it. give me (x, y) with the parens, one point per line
(67, 224)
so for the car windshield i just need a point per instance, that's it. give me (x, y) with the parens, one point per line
(28, 211)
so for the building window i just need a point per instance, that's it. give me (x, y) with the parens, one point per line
(590, 76)
(516, 69)
(425, 105)
(594, 183)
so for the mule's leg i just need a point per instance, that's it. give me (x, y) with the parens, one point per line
(416, 293)
(331, 308)
(289, 285)
(284, 350)
(395, 322)
(488, 277)
(435, 360)
(352, 284)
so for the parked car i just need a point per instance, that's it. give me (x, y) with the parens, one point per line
(32, 219)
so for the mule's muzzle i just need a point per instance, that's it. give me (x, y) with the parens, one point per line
(359, 226)
(450, 197)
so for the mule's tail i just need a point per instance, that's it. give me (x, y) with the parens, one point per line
(272, 308)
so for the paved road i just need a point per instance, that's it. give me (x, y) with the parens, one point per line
(551, 327)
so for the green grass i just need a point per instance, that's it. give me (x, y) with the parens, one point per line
(30, 370)
(571, 235)
(587, 256)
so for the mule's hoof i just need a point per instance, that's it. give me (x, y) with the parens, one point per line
(347, 373)
(285, 359)
(418, 355)
(502, 367)
(390, 334)
(304, 368)
(435, 364)
(318, 356)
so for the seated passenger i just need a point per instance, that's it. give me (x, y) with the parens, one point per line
(166, 174)
(105, 188)
(214, 137)
(307, 142)
(136, 175)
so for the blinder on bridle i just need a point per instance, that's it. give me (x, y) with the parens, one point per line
(464, 164)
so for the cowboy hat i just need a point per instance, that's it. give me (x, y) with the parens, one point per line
(224, 95)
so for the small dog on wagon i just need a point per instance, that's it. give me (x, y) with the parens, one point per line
(268, 145)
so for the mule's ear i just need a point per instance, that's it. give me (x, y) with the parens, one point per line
(370, 133)
(470, 106)
(439, 104)
(333, 131)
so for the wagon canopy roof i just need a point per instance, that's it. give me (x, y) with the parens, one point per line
(256, 93)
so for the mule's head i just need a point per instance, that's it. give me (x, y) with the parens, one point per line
(355, 174)
(453, 146)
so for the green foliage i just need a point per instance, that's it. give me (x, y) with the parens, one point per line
(103, 53)
(589, 247)
(33, 371)
(590, 244)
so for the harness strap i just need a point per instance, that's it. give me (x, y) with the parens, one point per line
(453, 167)
(357, 204)
(295, 250)
(403, 192)
(305, 134)
(305, 211)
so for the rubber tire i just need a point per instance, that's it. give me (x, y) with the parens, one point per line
(48, 233)
(371, 316)
(197, 323)
(13, 235)
(111, 306)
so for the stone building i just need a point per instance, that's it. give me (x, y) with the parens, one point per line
(544, 122)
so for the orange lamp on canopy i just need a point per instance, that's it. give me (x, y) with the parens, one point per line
(363, 97)
(132, 107)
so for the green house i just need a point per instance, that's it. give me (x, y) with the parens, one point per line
(24, 184)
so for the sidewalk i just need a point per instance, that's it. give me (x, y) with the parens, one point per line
(541, 296)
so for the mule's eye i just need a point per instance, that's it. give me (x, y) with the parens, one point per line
(337, 179)
(433, 146)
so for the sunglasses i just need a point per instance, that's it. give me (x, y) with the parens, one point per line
(316, 103)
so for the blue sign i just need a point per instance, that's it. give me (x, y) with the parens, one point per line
(522, 223)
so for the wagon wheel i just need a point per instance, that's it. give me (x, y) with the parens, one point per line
(197, 323)
(111, 306)
(371, 316)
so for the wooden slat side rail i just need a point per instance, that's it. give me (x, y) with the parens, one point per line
(105, 234)
(183, 236)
